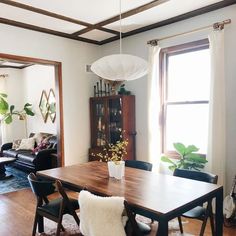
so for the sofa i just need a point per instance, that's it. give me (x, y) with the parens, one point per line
(35, 159)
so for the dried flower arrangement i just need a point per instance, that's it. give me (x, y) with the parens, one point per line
(113, 152)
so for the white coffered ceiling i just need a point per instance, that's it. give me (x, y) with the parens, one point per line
(93, 20)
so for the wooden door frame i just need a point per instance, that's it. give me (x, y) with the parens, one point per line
(59, 99)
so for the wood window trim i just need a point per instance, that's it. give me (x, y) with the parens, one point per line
(59, 98)
(163, 65)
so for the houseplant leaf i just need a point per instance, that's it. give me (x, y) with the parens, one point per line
(190, 149)
(180, 148)
(27, 105)
(12, 108)
(8, 118)
(194, 157)
(3, 95)
(29, 111)
(3, 106)
(166, 159)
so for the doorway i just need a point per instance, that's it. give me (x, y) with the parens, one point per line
(58, 95)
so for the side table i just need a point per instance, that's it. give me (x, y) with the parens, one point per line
(3, 161)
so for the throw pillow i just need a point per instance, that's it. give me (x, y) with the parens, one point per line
(43, 145)
(39, 137)
(16, 143)
(99, 216)
(27, 143)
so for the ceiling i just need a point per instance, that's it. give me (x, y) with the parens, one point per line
(97, 22)
(4, 63)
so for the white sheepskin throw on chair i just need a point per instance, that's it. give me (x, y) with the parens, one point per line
(101, 216)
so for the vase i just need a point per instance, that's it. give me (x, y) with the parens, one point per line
(116, 169)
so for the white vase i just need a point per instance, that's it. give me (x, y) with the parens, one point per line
(111, 168)
(116, 169)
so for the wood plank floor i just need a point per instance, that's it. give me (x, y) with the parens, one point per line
(17, 213)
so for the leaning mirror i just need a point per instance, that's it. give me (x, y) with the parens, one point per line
(43, 106)
(52, 105)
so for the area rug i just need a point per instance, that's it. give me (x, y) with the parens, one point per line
(17, 182)
(72, 229)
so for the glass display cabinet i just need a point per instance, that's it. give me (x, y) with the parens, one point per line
(109, 116)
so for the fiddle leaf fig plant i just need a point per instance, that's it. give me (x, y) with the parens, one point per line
(3, 104)
(189, 159)
(7, 112)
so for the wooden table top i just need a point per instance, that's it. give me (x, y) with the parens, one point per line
(154, 192)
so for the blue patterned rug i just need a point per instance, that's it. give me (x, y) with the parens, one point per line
(17, 182)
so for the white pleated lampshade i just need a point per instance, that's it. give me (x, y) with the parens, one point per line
(119, 67)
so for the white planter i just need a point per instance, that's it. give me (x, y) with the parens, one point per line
(117, 169)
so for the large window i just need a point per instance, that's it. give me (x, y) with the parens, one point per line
(185, 93)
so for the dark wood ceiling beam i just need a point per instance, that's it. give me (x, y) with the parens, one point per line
(83, 31)
(44, 12)
(107, 30)
(54, 15)
(132, 12)
(172, 20)
(44, 30)
(123, 15)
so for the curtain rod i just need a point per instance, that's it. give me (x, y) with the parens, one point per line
(216, 26)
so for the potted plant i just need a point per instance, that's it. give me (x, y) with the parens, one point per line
(188, 158)
(8, 112)
(113, 154)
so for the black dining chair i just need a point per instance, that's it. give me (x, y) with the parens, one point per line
(142, 165)
(200, 212)
(51, 209)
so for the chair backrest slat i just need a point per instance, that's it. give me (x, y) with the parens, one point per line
(142, 165)
(196, 175)
(40, 188)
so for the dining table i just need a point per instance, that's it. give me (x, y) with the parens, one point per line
(158, 196)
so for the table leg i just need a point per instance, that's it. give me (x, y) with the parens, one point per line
(40, 224)
(219, 213)
(162, 228)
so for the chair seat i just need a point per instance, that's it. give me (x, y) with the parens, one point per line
(53, 207)
(197, 212)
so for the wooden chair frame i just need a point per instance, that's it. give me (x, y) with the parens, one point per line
(40, 214)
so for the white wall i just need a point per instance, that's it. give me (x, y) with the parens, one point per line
(137, 45)
(36, 79)
(77, 85)
(13, 86)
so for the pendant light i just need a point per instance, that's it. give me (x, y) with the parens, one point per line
(120, 67)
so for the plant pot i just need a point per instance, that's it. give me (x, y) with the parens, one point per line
(116, 169)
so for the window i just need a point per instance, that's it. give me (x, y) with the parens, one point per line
(185, 85)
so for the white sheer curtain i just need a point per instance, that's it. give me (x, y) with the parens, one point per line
(153, 107)
(217, 121)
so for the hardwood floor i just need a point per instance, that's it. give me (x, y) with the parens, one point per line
(17, 213)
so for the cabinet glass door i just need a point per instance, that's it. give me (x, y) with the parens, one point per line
(115, 119)
(99, 123)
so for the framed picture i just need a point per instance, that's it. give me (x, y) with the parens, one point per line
(43, 106)
(52, 105)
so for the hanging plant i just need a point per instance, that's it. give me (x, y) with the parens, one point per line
(8, 112)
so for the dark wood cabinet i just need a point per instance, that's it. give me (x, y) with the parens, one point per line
(109, 116)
